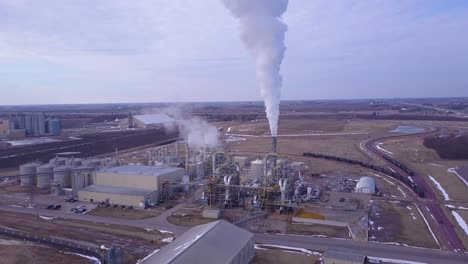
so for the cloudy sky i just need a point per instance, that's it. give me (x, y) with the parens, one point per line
(90, 51)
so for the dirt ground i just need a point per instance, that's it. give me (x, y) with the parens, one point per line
(279, 256)
(135, 242)
(124, 213)
(311, 230)
(19, 252)
(398, 222)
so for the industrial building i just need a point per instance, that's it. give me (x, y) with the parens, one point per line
(131, 185)
(30, 124)
(150, 121)
(366, 185)
(212, 243)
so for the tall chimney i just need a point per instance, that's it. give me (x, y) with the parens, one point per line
(275, 149)
(187, 157)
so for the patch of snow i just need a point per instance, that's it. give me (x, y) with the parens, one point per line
(74, 138)
(168, 239)
(395, 202)
(149, 229)
(402, 192)
(441, 189)
(14, 205)
(409, 208)
(293, 249)
(379, 228)
(233, 139)
(147, 257)
(437, 165)
(427, 224)
(259, 248)
(93, 259)
(46, 217)
(461, 222)
(161, 231)
(382, 149)
(395, 261)
(35, 141)
(454, 171)
(104, 247)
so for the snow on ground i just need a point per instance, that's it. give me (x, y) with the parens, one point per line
(454, 171)
(382, 149)
(74, 138)
(145, 258)
(461, 222)
(434, 164)
(34, 141)
(427, 224)
(413, 216)
(168, 239)
(441, 189)
(93, 259)
(387, 260)
(233, 139)
(46, 217)
(161, 231)
(293, 249)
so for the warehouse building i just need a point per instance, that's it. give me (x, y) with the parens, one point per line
(151, 121)
(130, 185)
(208, 244)
(366, 185)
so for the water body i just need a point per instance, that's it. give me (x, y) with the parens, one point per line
(408, 130)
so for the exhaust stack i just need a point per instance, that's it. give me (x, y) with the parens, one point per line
(275, 149)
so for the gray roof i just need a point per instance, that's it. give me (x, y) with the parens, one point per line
(116, 190)
(141, 170)
(152, 119)
(212, 243)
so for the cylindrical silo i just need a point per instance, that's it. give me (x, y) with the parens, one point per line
(79, 177)
(257, 170)
(62, 176)
(44, 175)
(28, 174)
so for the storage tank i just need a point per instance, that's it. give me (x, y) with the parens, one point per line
(257, 170)
(79, 177)
(57, 161)
(28, 174)
(62, 176)
(74, 162)
(45, 174)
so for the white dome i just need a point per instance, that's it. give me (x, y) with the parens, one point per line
(366, 185)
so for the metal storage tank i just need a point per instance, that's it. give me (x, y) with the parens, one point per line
(28, 174)
(44, 175)
(79, 178)
(74, 162)
(58, 161)
(366, 185)
(62, 175)
(257, 170)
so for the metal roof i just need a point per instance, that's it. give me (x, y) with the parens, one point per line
(116, 190)
(366, 182)
(212, 243)
(152, 119)
(141, 170)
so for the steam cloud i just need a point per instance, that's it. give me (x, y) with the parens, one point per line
(198, 132)
(262, 31)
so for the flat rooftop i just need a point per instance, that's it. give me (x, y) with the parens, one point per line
(116, 190)
(141, 170)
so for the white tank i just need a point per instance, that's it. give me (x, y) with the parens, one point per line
(28, 174)
(256, 170)
(186, 182)
(57, 161)
(62, 176)
(44, 175)
(79, 178)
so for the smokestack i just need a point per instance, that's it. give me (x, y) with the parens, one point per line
(187, 157)
(274, 145)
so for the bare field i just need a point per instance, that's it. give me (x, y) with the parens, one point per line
(278, 256)
(16, 252)
(398, 222)
(124, 213)
(414, 154)
(460, 232)
(323, 230)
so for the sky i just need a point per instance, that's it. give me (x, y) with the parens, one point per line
(96, 51)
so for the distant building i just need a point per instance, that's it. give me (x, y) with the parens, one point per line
(366, 185)
(4, 128)
(212, 243)
(130, 185)
(33, 124)
(151, 120)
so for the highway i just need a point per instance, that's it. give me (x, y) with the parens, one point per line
(308, 242)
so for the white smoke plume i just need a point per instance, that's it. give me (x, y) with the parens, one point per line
(197, 131)
(262, 31)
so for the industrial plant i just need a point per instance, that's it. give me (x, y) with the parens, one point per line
(22, 125)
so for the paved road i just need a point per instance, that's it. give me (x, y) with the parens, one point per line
(309, 242)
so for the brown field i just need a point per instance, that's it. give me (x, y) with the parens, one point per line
(16, 252)
(324, 230)
(394, 222)
(278, 256)
(124, 213)
(454, 147)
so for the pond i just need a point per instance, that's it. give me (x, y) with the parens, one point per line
(408, 130)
